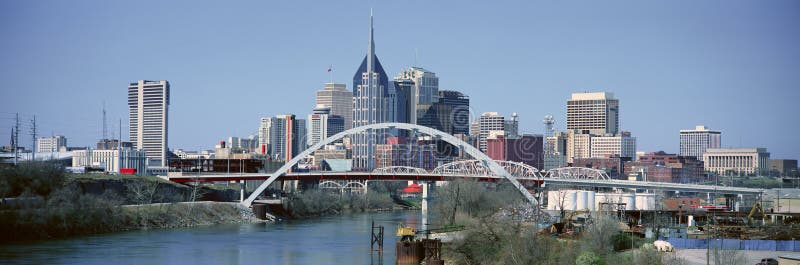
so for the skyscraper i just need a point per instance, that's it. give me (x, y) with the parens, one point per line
(403, 100)
(695, 142)
(371, 104)
(450, 114)
(287, 137)
(489, 121)
(339, 100)
(423, 93)
(263, 135)
(322, 125)
(148, 103)
(458, 111)
(595, 113)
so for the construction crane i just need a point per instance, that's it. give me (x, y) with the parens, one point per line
(756, 206)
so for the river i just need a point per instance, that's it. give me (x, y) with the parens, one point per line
(343, 239)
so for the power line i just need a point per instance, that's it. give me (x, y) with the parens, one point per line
(33, 138)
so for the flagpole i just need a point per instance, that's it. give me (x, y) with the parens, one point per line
(330, 72)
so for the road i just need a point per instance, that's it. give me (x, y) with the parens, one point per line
(698, 256)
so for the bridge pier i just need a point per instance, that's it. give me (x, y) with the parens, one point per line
(425, 205)
(241, 191)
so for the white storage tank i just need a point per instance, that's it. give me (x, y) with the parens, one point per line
(581, 200)
(555, 198)
(629, 200)
(600, 198)
(645, 201)
(590, 200)
(552, 200)
(570, 201)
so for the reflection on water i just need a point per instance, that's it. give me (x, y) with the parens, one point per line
(330, 240)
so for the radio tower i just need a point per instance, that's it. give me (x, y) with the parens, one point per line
(105, 128)
(549, 124)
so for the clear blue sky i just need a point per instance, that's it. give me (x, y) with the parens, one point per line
(730, 65)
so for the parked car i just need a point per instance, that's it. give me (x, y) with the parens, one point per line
(768, 261)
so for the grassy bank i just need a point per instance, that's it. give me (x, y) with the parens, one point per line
(41, 202)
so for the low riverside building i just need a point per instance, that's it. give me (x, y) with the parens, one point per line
(663, 167)
(110, 160)
(737, 161)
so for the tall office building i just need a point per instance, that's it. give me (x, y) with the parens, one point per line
(50, 144)
(263, 135)
(148, 103)
(579, 145)
(339, 100)
(423, 93)
(322, 124)
(695, 142)
(401, 101)
(371, 104)
(595, 113)
(450, 114)
(287, 137)
(457, 111)
(489, 121)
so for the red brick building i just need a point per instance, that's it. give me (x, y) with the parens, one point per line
(527, 149)
(663, 167)
(612, 165)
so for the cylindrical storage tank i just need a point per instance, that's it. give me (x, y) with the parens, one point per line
(600, 198)
(629, 200)
(581, 200)
(552, 200)
(570, 202)
(590, 201)
(645, 201)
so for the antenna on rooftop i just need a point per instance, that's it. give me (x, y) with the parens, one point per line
(105, 128)
(549, 124)
(416, 57)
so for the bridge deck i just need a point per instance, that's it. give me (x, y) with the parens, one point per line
(314, 176)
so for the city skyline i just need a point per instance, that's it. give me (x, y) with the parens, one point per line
(207, 90)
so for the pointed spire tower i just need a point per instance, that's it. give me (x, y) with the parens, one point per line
(371, 46)
(372, 104)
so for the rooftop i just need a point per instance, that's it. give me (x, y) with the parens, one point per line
(593, 96)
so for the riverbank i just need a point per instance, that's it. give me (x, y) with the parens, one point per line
(39, 201)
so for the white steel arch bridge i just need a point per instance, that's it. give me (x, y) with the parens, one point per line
(487, 162)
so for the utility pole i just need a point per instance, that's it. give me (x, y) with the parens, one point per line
(119, 146)
(33, 135)
(15, 139)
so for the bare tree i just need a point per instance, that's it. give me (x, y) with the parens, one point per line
(728, 256)
(142, 191)
(561, 203)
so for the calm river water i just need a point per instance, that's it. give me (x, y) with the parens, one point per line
(341, 239)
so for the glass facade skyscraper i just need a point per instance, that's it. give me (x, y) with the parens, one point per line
(372, 103)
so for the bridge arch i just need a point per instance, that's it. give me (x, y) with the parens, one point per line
(469, 149)
(475, 167)
(400, 170)
(577, 173)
